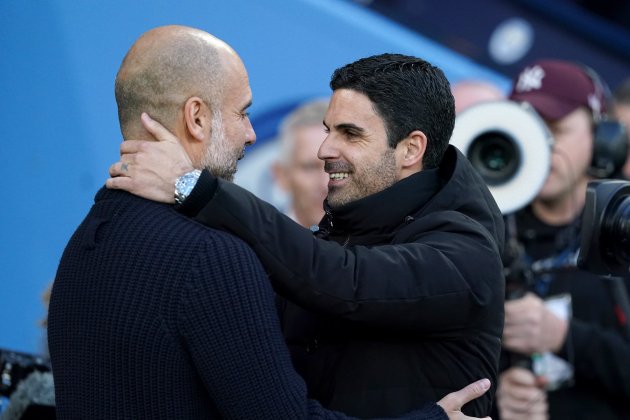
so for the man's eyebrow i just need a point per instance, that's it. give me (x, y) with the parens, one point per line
(346, 126)
(349, 126)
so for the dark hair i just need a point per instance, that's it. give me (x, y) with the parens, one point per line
(409, 94)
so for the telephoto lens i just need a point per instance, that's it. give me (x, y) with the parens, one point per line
(605, 245)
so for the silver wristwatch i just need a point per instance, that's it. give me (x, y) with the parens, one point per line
(185, 184)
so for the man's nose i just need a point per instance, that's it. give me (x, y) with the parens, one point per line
(328, 149)
(250, 136)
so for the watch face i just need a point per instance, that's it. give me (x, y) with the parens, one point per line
(185, 184)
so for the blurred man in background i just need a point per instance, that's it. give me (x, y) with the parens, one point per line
(621, 111)
(471, 92)
(566, 320)
(298, 170)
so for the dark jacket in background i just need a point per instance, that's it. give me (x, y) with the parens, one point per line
(398, 300)
(595, 344)
(154, 316)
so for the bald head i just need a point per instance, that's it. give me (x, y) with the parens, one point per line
(472, 92)
(165, 67)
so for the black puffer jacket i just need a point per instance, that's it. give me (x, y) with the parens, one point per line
(397, 300)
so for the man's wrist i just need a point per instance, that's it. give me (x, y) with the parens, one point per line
(185, 184)
(200, 196)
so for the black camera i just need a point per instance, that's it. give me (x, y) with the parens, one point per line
(605, 242)
(15, 366)
(510, 147)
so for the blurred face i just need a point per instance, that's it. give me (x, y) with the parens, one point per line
(571, 157)
(231, 129)
(303, 176)
(622, 114)
(467, 94)
(355, 152)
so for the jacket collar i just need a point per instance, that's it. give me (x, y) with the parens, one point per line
(384, 211)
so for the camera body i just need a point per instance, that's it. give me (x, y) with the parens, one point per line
(605, 240)
(510, 146)
(16, 366)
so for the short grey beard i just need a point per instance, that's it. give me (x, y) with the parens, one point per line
(219, 158)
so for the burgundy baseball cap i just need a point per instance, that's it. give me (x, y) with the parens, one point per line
(556, 88)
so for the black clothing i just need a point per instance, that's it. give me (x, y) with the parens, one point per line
(595, 345)
(399, 298)
(154, 316)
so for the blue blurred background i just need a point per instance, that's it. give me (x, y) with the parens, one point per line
(59, 60)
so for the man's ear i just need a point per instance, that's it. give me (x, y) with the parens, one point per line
(198, 118)
(411, 150)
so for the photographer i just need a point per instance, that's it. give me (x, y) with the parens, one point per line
(621, 110)
(567, 357)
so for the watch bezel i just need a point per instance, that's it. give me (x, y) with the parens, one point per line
(185, 184)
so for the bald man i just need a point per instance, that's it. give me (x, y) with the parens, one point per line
(153, 315)
(471, 92)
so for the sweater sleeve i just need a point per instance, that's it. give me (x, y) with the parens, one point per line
(411, 286)
(230, 327)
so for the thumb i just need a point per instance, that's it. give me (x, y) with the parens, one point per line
(456, 400)
(158, 131)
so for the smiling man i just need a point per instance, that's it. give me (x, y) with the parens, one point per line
(398, 297)
(357, 162)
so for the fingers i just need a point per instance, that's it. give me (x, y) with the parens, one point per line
(114, 169)
(455, 400)
(524, 325)
(138, 188)
(472, 391)
(519, 395)
(523, 307)
(156, 129)
(119, 183)
(518, 389)
(132, 146)
(124, 167)
(536, 406)
(511, 410)
(520, 343)
(519, 376)
(149, 169)
(119, 169)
